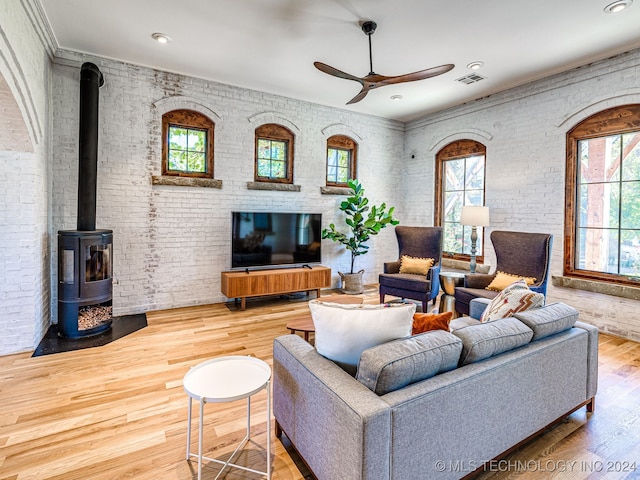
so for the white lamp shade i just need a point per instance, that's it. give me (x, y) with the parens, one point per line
(474, 216)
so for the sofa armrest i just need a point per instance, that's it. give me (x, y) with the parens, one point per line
(592, 357)
(478, 280)
(392, 267)
(338, 426)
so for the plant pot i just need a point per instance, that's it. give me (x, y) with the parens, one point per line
(352, 282)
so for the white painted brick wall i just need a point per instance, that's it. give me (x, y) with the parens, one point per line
(24, 180)
(524, 130)
(171, 243)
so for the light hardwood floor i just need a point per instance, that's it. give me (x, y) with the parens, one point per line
(119, 411)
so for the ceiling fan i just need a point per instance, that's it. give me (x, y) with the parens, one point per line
(373, 80)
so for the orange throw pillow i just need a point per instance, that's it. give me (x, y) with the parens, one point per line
(424, 322)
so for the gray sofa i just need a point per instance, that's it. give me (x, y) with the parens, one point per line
(446, 403)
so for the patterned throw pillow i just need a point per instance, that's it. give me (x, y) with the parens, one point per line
(503, 280)
(414, 265)
(425, 322)
(517, 297)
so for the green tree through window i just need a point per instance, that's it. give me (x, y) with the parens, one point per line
(460, 175)
(187, 152)
(602, 215)
(187, 147)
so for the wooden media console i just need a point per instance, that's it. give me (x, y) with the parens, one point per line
(255, 283)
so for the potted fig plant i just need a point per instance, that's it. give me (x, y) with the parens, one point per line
(363, 221)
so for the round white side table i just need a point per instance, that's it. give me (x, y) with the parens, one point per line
(226, 379)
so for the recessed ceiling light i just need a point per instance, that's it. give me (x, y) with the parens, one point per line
(396, 98)
(161, 38)
(618, 6)
(475, 65)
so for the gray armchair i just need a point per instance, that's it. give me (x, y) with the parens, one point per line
(517, 253)
(420, 242)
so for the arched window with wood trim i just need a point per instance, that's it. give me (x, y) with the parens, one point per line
(187, 144)
(342, 153)
(459, 180)
(274, 154)
(602, 219)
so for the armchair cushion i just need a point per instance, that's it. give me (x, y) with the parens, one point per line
(417, 266)
(503, 280)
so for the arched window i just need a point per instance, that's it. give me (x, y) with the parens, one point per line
(274, 154)
(602, 219)
(187, 144)
(342, 153)
(459, 180)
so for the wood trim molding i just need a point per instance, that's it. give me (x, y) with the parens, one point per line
(274, 131)
(345, 143)
(187, 119)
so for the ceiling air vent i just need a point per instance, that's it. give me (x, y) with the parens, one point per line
(471, 78)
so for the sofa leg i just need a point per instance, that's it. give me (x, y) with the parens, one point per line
(278, 430)
(591, 406)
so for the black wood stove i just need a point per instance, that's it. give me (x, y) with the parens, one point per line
(85, 260)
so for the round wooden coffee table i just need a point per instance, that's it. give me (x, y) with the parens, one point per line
(305, 324)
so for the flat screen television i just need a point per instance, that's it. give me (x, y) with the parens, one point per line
(267, 239)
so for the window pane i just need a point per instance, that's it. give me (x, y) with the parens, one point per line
(196, 162)
(452, 238)
(177, 160)
(599, 205)
(278, 150)
(474, 198)
(343, 175)
(599, 159)
(332, 157)
(177, 138)
(475, 173)
(264, 148)
(343, 158)
(452, 206)
(332, 174)
(598, 250)
(277, 169)
(630, 252)
(630, 205)
(454, 175)
(631, 156)
(197, 140)
(264, 168)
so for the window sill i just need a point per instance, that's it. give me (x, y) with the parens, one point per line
(612, 289)
(186, 181)
(279, 187)
(335, 191)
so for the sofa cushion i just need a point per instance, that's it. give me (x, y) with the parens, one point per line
(396, 364)
(485, 340)
(343, 332)
(415, 266)
(425, 322)
(548, 320)
(517, 297)
(502, 280)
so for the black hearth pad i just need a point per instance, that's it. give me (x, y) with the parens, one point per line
(120, 327)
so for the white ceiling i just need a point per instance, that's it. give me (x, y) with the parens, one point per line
(270, 45)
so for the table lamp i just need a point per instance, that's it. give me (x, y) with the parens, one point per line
(474, 217)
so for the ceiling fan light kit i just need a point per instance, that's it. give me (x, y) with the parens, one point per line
(373, 80)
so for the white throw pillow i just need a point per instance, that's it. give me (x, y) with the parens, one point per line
(343, 332)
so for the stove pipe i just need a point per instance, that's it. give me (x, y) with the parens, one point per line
(90, 81)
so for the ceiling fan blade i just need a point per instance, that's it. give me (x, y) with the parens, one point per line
(323, 67)
(420, 75)
(358, 97)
